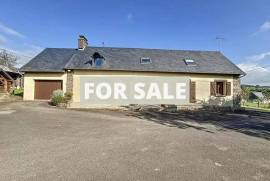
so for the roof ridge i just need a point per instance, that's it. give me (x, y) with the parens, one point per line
(154, 49)
(70, 60)
(60, 48)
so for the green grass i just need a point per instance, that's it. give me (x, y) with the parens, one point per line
(254, 105)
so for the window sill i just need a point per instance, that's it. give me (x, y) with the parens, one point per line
(220, 96)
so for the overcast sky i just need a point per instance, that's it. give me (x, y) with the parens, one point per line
(27, 27)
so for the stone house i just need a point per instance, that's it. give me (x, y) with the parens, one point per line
(214, 79)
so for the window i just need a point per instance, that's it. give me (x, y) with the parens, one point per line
(145, 60)
(98, 59)
(190, 62)
(219, 88)
(98, 62)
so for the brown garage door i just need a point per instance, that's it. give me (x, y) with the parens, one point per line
(44, 88)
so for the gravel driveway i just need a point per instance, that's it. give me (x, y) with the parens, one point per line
(38, 142)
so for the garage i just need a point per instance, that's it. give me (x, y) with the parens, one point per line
(45, 88)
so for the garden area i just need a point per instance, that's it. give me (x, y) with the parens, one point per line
(256, 97)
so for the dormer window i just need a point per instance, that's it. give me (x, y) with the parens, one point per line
(98, 62)
(98, 59)
(189, 61)
(145, 60)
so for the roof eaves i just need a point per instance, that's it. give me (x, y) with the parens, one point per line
(124, 70)
(6, 74)
(43, 71)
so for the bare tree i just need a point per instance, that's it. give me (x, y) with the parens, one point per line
(8, 59)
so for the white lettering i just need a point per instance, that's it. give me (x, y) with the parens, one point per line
(153, 91)
(138, 89)
(143, 91)
(88, 89)
(108, 91)
(119, 91)
(180, 91)
(166, 94)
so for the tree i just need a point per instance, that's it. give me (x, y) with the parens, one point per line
(245, 94)
(8, 59)
(267, 97)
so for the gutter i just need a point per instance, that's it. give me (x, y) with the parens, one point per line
(43, 71)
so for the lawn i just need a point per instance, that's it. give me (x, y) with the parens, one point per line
(254, 105)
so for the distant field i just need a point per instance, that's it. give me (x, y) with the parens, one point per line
(254, 105)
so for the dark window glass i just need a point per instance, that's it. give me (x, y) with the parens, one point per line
(98, 62)
(98, 59)
(190, 62)
(145, 60)
(220, 88)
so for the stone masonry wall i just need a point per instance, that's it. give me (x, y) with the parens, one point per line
(236, 91)
(70, 81)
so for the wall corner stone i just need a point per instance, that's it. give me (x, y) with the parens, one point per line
(70, 81)
(236, 92)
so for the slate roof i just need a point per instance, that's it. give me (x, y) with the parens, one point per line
(128, 59)
(258, 94)
(49, 60)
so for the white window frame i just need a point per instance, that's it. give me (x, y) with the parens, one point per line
(190, 62)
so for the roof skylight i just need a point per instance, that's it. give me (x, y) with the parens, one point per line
(145, 60)
(189, 61)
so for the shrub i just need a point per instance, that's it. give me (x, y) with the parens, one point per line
(68, 96)
(17, 92)
(57, 97)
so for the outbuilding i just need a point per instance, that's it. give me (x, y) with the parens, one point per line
(10, 78)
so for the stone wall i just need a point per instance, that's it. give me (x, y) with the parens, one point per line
(70, 81)
(236, 91)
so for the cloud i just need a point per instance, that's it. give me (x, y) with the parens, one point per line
(7, 30)
(26, 53)
(34, 47)
(3, 39)
(257, 68)
(256, 75)
(18, 45)
(265, 26)
(130, 17)
(258, 57)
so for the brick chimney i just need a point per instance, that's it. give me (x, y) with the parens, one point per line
(82, 42)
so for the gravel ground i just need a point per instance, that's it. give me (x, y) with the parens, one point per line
(38, 142)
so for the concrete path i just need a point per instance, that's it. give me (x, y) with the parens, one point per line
(38, 142)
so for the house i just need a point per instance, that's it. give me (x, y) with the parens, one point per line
(9, 78)
(212, 76)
